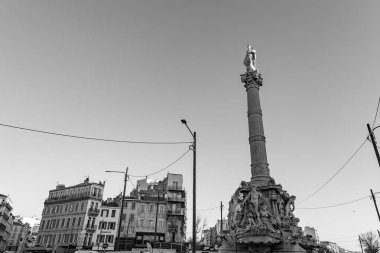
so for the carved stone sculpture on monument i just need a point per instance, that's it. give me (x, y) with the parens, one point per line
(250, 59)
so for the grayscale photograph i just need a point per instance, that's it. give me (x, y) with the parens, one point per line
(174, 126)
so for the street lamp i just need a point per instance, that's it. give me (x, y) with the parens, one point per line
(122, 203)
(373, 140)
(194, 148)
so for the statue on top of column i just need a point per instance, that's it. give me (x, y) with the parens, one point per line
(250, 59)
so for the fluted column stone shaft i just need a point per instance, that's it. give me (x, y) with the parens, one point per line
(259, 163)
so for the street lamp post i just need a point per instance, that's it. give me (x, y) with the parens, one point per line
(122, 204)
(194, 148)
(373, 140)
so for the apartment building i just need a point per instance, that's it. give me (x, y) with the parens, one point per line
(19, 236)
(155, 212)
(69, 214)
(6, 221)
(107, 225)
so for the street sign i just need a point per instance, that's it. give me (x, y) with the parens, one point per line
(105, 245)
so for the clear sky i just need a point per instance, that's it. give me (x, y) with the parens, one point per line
(132, 69)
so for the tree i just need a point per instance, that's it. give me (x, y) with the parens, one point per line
(199, 228)
(370, 242)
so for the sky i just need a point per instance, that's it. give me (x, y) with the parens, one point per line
(131, 70)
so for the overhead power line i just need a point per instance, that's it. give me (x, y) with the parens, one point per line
(377, 110)
(92, 138)
(340, 204)
(208, 209)
(151, 174)
(336, 173)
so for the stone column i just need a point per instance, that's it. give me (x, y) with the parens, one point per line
(259, 164)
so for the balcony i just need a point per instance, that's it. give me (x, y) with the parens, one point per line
(172, 228)
(6, 216)
(91, 228)
(175, 188)
(93, 211)
(7, 205)
(65, 198)
(176, 212)
(176, 199)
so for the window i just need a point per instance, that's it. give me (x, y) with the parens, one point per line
(73, 223)
(124, 216)
(68, 222)
(71, 207)
(82, 207)
(104, 213)
(110, 238)
(161, 209)
(76, 206)
(48, 224)
(141, 222)
(142, 208)
(160, 223)
(63, 222)
(66, 207)
(113, 213)
(132, 217)
(150, 223)
(111, 225)
(151, 208)
(133, 205)
(79, 221)
(42, 224)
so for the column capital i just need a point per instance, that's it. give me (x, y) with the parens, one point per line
(251, 79)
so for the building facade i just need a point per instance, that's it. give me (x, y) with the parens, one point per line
(107, 224)
(19, 236)
(155, 212)
(225, 226)
(6, 221)
(69, 214)
(312, 232)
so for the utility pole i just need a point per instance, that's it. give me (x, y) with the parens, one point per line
(155, 226)
(361, 246)
(373, 140)
(193, 147)
(374, 201)
(221, 217)
(122, 204)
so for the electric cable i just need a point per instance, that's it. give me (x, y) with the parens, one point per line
(340, 204)
(377, 110)
(93, 138)
(207, 209)
(336, 173)
(179, 158)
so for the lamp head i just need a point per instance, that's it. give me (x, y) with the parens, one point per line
(183, 121)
